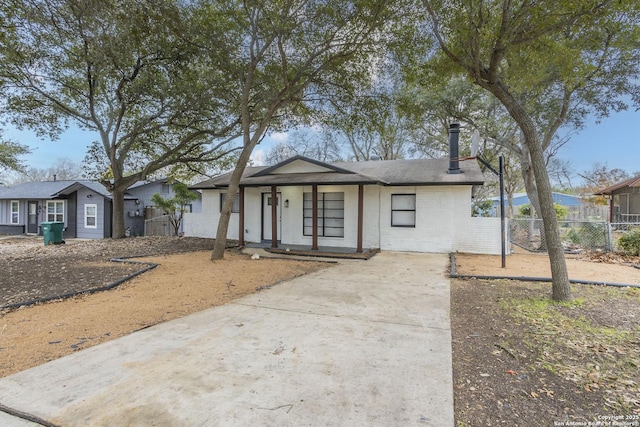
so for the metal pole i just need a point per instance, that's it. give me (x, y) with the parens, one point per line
(502, 219)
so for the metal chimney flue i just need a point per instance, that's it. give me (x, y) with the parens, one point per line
(454, 135)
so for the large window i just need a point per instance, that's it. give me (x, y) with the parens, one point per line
(91, 216)
(403, 210)
(236, 202)
(330, 214)
(15, 212)
(55, 210)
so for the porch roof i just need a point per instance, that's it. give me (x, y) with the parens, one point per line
(378, 172)
(633, 182)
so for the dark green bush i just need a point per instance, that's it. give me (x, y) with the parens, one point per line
(629, 243)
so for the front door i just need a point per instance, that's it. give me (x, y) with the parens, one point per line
(32, 217)
(267, 217)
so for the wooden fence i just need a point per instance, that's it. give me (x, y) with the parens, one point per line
(158, 226)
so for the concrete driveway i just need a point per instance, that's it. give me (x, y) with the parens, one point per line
(364, 343)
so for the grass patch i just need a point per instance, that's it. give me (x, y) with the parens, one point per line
(591, 341)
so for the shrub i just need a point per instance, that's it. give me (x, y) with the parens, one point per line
(561, 211)
(629, 243)
(590, 235)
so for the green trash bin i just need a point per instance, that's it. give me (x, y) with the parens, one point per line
(52, 232)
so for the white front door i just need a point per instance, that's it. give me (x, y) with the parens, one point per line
(266, 216)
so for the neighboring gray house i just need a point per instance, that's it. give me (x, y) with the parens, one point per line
(84, 206)
(144, 191)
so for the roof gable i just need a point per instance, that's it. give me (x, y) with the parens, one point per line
(90, 185)
(300, 164)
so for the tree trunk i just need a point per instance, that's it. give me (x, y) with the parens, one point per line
(550, 233)
(528, 175)
(117, 220)
(223, 225)
(530, 182)
(559, 274)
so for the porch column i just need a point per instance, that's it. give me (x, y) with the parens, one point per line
(360, 216)
(241, 217)
(274, 216)
(611, 209)
(314, 216)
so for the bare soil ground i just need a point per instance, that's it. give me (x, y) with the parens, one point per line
(598, 267)
(519, 360)
(183, 283)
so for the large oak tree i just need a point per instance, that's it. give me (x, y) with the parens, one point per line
(122, 70)
(549, 62)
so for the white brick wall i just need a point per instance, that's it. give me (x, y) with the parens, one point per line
(443, 219)
(434, 220)
(479, 236)
(371, 220)
(443, 222)
(205, 224)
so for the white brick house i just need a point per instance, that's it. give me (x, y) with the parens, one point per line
(401, 205)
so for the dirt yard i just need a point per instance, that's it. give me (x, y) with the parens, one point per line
(183, 283)
(519, 360)
(610, 268)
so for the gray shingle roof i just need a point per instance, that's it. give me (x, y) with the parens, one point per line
(49, 189)
(381, 172)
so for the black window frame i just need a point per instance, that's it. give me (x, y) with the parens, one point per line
(327, 210)
(404, 210)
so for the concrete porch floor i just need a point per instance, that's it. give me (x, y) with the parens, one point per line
(322, 251)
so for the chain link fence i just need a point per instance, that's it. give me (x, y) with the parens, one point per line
(619, 229)
(577, 236)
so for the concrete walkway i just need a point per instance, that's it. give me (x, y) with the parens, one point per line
(361, 343)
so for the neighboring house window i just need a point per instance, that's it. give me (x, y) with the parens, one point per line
(90, 216)
(403, 210)
(165, 189)
(330, 214)
(55, 210)
(15, 212)
(236, 202)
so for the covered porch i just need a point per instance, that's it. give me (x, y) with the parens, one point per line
(314, 217)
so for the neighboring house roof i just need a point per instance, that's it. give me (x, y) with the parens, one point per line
(633, 182)
(382, 172)
(34, 190)
(91, 185)
(558, 198)
(52, 189)
(145, 182)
